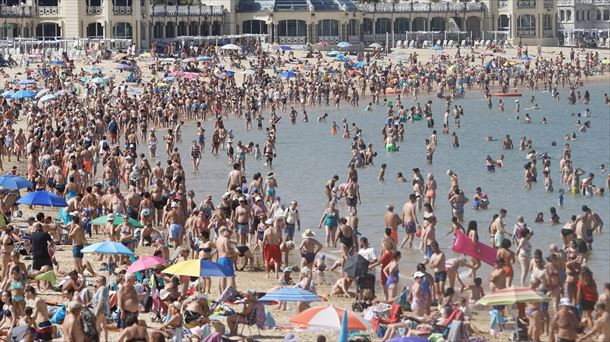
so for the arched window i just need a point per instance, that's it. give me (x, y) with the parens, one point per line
(292, 28)
(352, 27)
(170, 29)
(122, 30)
(401, 25)
(328, 27)
(95, 30)
(568, 15)
(367, 26)
(383, 26)
(182, 29)
(158, 31)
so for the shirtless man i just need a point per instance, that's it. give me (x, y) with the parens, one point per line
(242, 221)
(272, 239)
(497, 278)
(583, 226)
(235, 177)
(392, 220)
(133, 201)
(77, 235)
(72, 327)
(197, 309)
(409, 219)
(563, 325)
(225, 257)
(437, 262)
(428, 237)
(127, 300)
(174, 221)
(309, 248)
(134, 331)
(156, 196)
(601, 327)
(146, 206)
(40, 315)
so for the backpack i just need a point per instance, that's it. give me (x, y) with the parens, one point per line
(89, 326)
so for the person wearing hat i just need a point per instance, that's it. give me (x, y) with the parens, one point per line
(309, 248)
(245, 316)
(72, 328)
(564, 325)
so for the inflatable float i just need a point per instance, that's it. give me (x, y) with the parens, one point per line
(392, 91)
(507, 94)
(464, 245)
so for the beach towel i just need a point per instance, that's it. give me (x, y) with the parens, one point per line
(463, 245)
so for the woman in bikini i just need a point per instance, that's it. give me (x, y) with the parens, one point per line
(508, 256)
(430, 190)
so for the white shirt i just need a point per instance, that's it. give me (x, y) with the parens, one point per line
(368, 253)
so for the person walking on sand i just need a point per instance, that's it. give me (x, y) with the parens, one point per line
(410, 222)
(272, 254)
(330, 219)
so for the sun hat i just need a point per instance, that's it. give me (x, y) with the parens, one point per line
(308, 234)
(418, 274)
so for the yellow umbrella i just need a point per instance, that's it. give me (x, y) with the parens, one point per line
(162, 84)
(199, 268)
(606, 61)
(47, 276)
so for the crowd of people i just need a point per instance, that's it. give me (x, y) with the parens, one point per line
(96, 146)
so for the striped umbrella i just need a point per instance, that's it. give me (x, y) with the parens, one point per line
(512, 295)
(291, 294)
(329, 317)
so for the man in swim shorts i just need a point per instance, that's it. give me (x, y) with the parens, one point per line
(225, 257)
(175, 222)
(272, 239)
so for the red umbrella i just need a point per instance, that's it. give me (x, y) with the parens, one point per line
(329, 317)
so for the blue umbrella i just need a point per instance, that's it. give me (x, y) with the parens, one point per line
(26, 82)
(291, 294)
(169, 79)
(409, 339)
(437, 47)
(284, 48)
(13, 182)
(360, 65)
(344, 332)
(23, 94)
(221, 75)
(230, 73)
(122, 66)
(333, 53)
(99, 80)
(108, 247)
(57, 62)
(525, 58)
(288, 74)
(48, 97)
(199, 268)
(8, 93)
(344, 44)
(204, 58)
(341, 57)
(43, 198)
(93, 69)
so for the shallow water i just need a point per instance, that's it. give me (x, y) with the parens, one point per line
(308, 155)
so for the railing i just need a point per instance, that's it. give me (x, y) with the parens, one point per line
(164, 10)
(547, 33)
(122, 10)
(47, 10)
(526, 4)
(502, 3)
(94, 10)
(353, 39)
(547, 4)
(296, 40)
(526, 33)
(15, 11)
(330, 39)
(422, 7)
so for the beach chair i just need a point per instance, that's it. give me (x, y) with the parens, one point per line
(412, 44)
(399, 44)
(426, 44)
(256, 319)
(445, 43)
(451, 44)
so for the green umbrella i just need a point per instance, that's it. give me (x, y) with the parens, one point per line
(118, 219)
(47, 276)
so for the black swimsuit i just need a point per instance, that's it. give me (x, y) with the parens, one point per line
(347, 241)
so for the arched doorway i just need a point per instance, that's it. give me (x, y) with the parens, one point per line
(383, 26)
(158, 31)
(473, 25)
(420, 24)
(182, 29)
(95, 30)
(401, 25)
(194, 28)
(170, 29)
(503, 23)
(328, 28)
(9, 31)
(122, 30)
(48, 31)
(367, 26)
(352, 27)
(437, 24)
(216, 28)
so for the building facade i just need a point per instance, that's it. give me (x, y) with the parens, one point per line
(301, 21)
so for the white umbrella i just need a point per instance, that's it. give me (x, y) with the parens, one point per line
(230, 47)
(249, 72)
(376, 46)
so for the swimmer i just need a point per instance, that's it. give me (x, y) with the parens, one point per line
(490, 138)
(382, 173)
(400, 178)
(602, 168)
(323, 117)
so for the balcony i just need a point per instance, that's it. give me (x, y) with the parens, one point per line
(94, 10)
(165, 11)
(122, 10)
(547, 4)
(526, 4)
(421, 7)
(526, 33)
(15, 11)
(45, 11)
(329, 39)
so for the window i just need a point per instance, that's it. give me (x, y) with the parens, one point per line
(526, 22)
(568, 15)
(292, 28)
(122, 30)
(383, 26)
(328, 27)
(367, 26)
(562, 16)
(401, 25)
(352, 27)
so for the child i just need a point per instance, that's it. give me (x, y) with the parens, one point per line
(548, 182)
(400, 177)
(382, 173)
(476, 290)
(320, 266)
(257, 152)
(560, 200)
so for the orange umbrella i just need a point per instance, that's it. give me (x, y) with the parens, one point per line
(329, 317)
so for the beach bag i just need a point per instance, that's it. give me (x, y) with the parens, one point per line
(59, 316)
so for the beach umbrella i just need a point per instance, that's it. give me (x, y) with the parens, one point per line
(57, 62)
(119, 56)
(437, 47)
(189, 60)
(118, 219)
(230, 47)
(344, 330)
(7, 93)
(249, 72)
(409, 339)
(376, 46)
(23, 94)
(291, 294)
(43, 198)
(162, 85)
(13, 182)
(26, 82)
(230, 73)
(354, 72)
(42, 92)
(204, 58)
(107, 247)
(177, 73)
(169, 79)
(525, 58)
(145, 263)
(329, 317)
(190, 75)
(122, 66)
(324, 43)
(284, 48)
(333, 53)
(221, 75)
(99, 80)
(343, 44)
(360, 65)
(48, 97)
(288, 74)
(356, 265)
(199, 268)
(512, 295)
(93, 69)
(341, 57)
